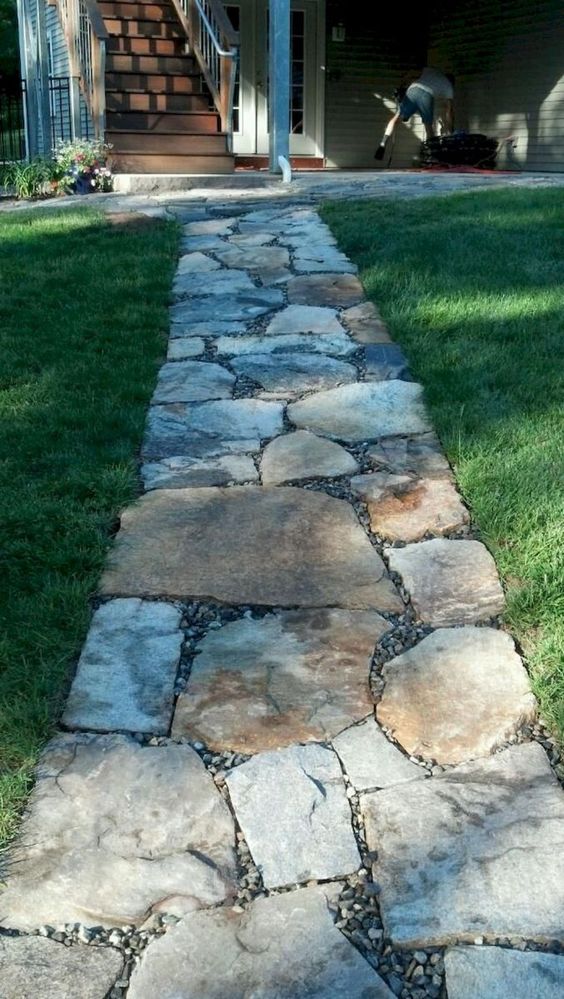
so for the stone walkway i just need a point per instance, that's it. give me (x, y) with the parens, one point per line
(299, 759)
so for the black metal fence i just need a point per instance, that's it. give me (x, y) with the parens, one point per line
(12, 123)
(14, 107)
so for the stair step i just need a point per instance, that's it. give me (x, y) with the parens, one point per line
(125, 28)
(154, 83)
(139, 100)
(173, 143)
(157, 163)
(147, 11)
(165, 122)
(145, 46)
(121, 63)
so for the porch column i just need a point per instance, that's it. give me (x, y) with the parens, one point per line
(279, 82)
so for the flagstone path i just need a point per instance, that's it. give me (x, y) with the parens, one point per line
(299, 759)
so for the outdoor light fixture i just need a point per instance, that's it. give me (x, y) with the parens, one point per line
(338, 33)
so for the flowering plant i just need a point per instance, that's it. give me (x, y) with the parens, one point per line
(82, 164)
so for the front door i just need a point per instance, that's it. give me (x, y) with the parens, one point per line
(250, 18)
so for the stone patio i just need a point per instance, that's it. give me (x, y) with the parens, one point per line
(298, 760)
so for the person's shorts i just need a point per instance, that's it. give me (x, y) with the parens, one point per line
(417, 100)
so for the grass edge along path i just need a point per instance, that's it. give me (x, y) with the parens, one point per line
(472, 287)
(83, 329)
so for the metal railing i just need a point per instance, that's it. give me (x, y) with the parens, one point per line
(13, 146)
(86, 37)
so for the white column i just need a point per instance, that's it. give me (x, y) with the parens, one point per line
(279, 82)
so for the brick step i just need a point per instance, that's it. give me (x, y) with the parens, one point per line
(167, 143)
(126, 27)
(145, 46)
(165, 122)
(139, 100)
(147, 11)
(153, 163)
(117, 62)
(154, 83)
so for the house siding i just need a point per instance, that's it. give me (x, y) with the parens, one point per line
(508, 60)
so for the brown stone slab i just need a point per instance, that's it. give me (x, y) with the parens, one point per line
(337, 291)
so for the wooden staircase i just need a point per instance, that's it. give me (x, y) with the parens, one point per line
(160, 117)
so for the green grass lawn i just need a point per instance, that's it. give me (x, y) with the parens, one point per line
(83, 324)
(472, 287)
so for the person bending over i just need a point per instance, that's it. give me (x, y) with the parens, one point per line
(421, 98)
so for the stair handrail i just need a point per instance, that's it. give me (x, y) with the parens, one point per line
(215, 45)
(86, 36)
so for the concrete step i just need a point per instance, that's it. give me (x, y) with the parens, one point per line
(163, 183)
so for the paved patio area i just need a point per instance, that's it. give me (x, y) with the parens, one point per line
(300, 757)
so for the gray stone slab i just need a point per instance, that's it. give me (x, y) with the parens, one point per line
(115, 831)
(282, 947)
(430, 687)
(302, 455)
(377, 486)
(206, 243)
(294, 813)
(336, 291)
(210, 227)
(311, 258)
(499, 973)
(37, 968)
(450, 582)
(371, 760)
(295, 676)
(363, 411)
(205, 328)
(419, 456)
(221, 283)
(385, 361)
(193, 381)
(365, 324)
(127, 669)
(231, 307)
(335, 344)
(196, 263)
(178, 472)
(304, 319)
(185, 348)
(253, 258)
(477, 851)
(211, 428)
(279, 547)
(250, 239)
(293, 374)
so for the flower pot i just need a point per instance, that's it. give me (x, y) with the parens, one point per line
(84, 184)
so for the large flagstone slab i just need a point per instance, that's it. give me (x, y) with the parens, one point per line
(253, 258)
(336, 344)
(418, 456)
(450, 582)
(196, 263)
(222, 283)
(193, 381)
(278, 546)
(302, 455)
(292, 677)
(336, 291)
(501, 973)
(205, 328)
(365, 323)
(115, 831)
(282, 947)
(210, 227)
(292, 374)
(363, 411)
(211, 428)
(416, 508)
(477, 851)
(294, 813)
(458, 694)
(321, 257)
(183, 348)
(127, 668)
(305, 319)
(371, 760)
(37, 968)
(177, 472)
(246, 304)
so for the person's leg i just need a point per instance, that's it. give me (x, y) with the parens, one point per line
(379, 154)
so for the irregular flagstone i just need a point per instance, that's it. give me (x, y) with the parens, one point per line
(210, 227)
(311, 258)
(499, 973)
(196, 263)
(279, 546)
(363, 411)
(250, 239)
(230, 282)
(420, 455)
(292, 677)
(37, 968)
(294, 813)
(248, 304)
(337, 344)
(184, 348)
(458, 694)
(274, 275)
(302, 455)
(282, 947)
(127, 668)
(193, 381)
(176, 472)
(376, 486)
(450, 582)
(336, 291)
(206, 243)
(211, 428)
(420, 507)
(475, 851)
(385, 361)
(305, 319)
(208, 328)
(290, 375)
(254, 258)
(365, 323)
(370, 760)
(115, 831)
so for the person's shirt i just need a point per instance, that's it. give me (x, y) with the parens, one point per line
(436, 83)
